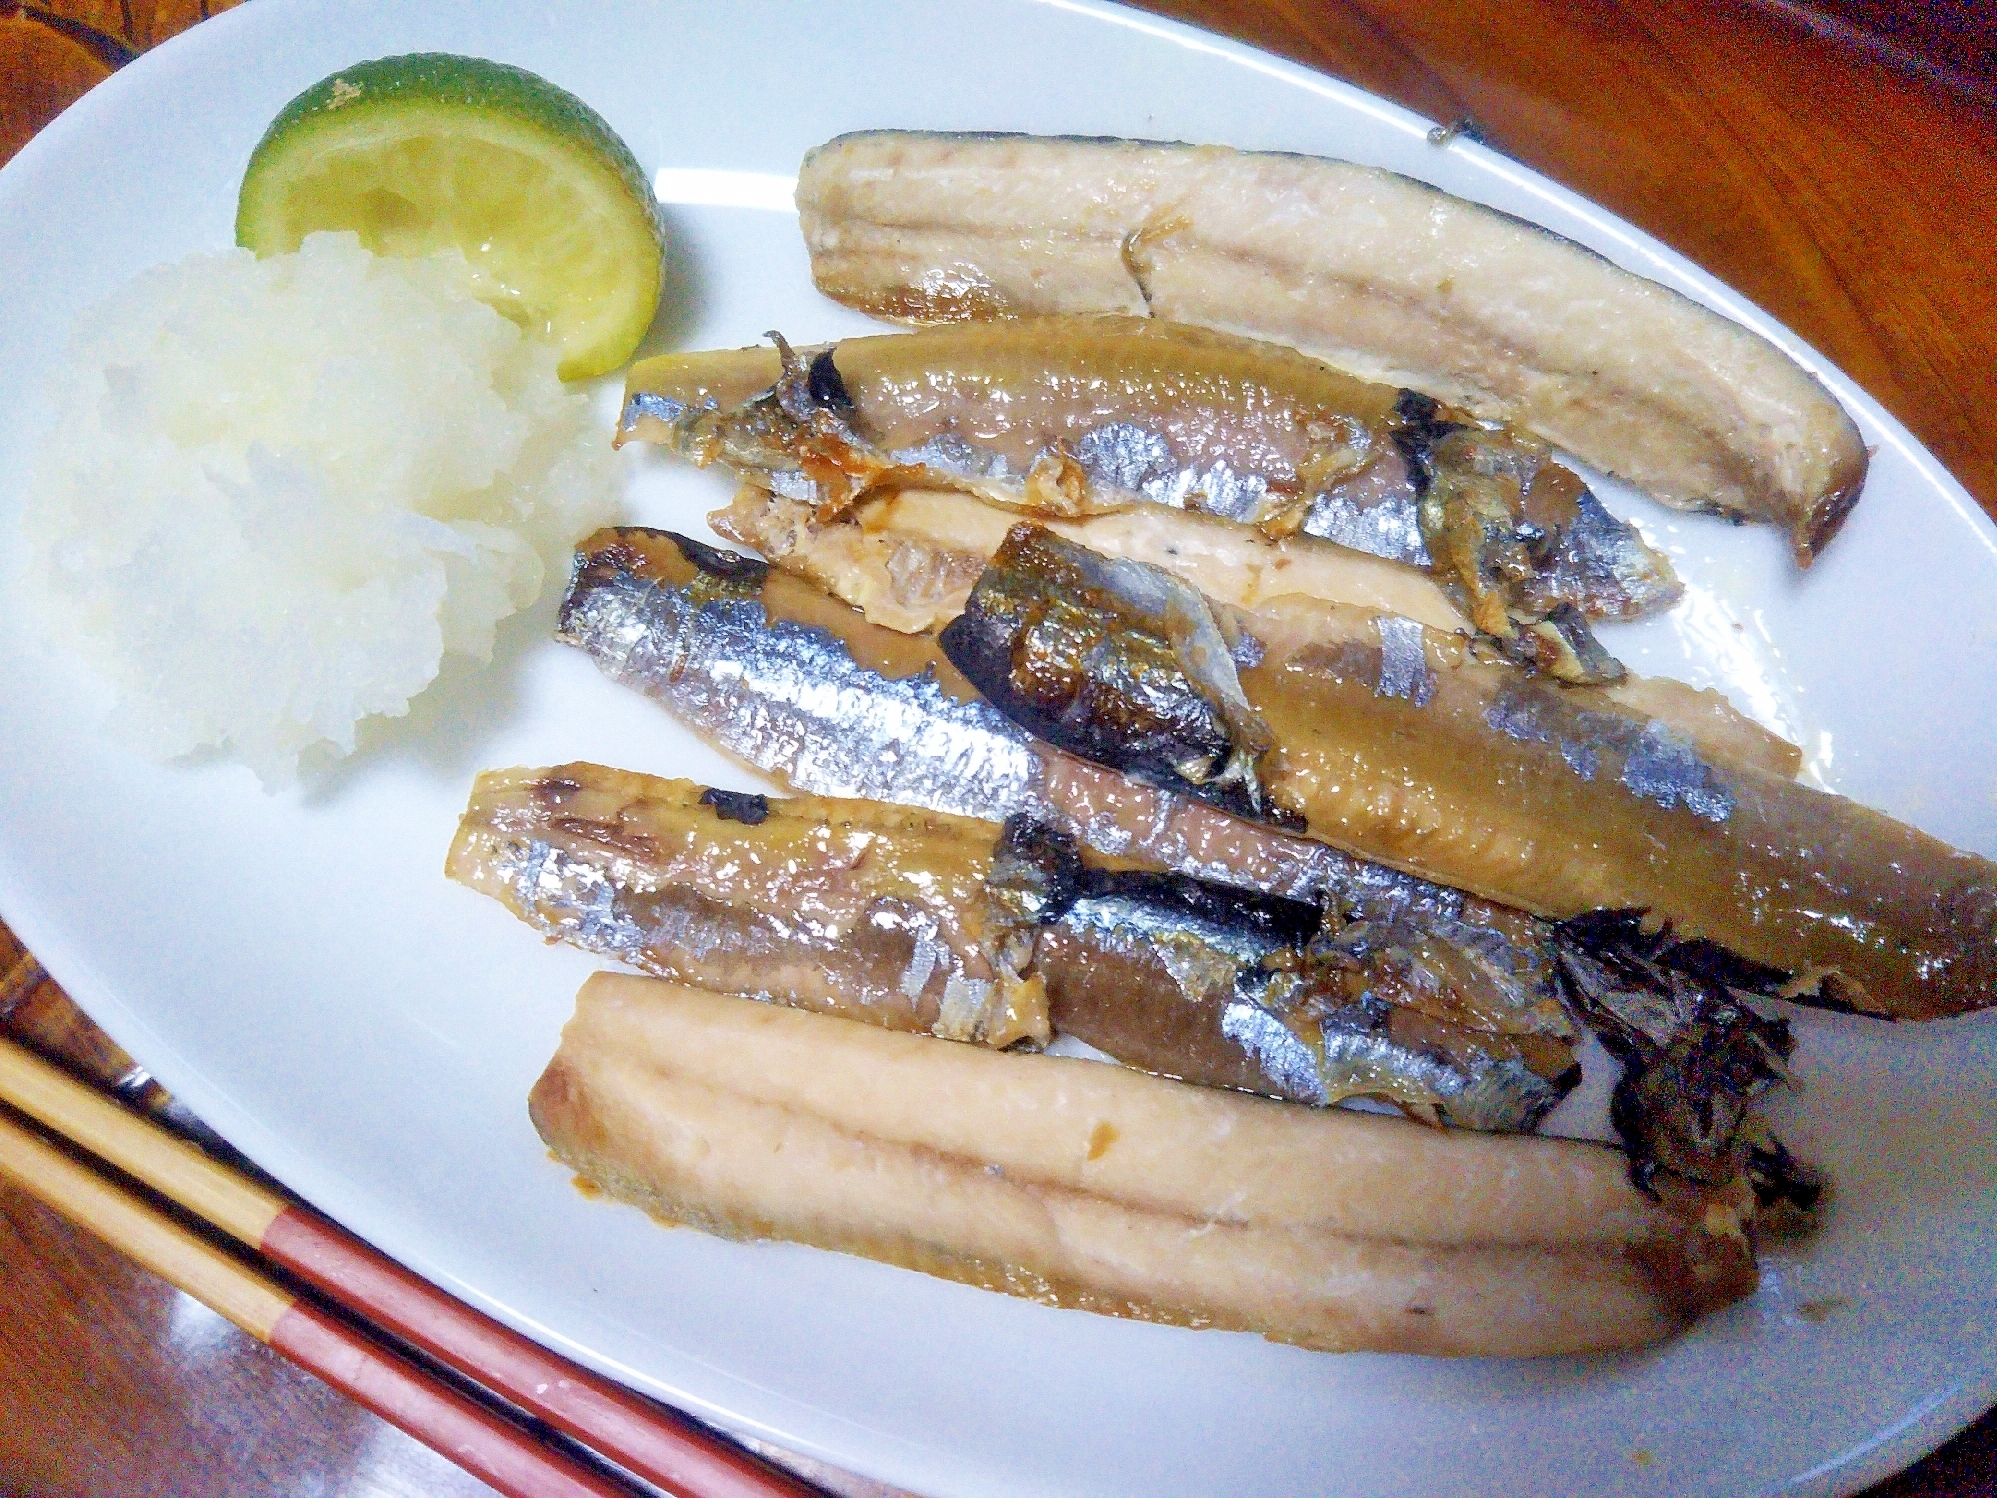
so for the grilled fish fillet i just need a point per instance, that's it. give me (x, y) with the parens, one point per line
(914, 920)
(1397, 743)
(805, 689)
(908, 559)
(1093, 1186)
(1069, 416)
(1373, 272)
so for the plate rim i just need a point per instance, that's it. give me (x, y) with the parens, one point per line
(1890, 1451)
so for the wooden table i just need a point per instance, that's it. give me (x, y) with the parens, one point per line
(1836, 160)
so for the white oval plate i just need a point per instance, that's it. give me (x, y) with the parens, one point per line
(299, 971)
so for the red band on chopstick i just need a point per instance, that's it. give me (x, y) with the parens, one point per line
(502, 1455)
(639, 1436)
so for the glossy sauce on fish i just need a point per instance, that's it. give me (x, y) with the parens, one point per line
(909, 559)
(1078, 416)
(783, 675)
(1375, 272)
(1399, 744)
(918, 921)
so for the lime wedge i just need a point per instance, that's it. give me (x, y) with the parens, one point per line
(430, 151)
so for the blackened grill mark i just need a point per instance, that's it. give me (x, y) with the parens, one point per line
(1291, 922)
(747, 807)
(1694, 1056)
(1418, 432)
(981, 646)
(1031, 852)
(729, 566)
(1606, 934)
(1414, 452)
(824, 385)
(1150, 729)
(1412, 408)
(1040, 862)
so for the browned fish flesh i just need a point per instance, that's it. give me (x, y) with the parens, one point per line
(1372, 272)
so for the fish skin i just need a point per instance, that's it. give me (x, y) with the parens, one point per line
(1078, 416)
(845, 907)
(1398, 930)
(908, 561)
(1403, 938)
(1263, 995)
(1064, 651)
(793, 703)
(782, 696)
(924, 922)
(1546, 797)
(1371, 271)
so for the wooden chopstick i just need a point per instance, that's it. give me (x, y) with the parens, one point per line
(666, 1450)
(502, 1455)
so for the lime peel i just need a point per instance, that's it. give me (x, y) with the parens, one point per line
(430, 151)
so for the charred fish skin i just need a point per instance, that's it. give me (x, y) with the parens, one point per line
(687, 625)
(908, 560)
(1048, 637)
(1240, 994)
(1696, 1057)
(1077, 416)
(1401, 746)
(1372, 272)
(721, 644)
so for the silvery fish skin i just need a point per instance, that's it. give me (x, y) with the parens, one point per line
(1373, 272)
(1078, 416)
(854, 908)
(909, 559)
(919, 921)
(1415, 951)
(789, 700)
(1402, 745)
(1212, 985)
(803, 689)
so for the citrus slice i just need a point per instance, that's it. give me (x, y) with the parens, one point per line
(431, 151)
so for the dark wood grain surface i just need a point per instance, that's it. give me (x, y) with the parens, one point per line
(1836, 160)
